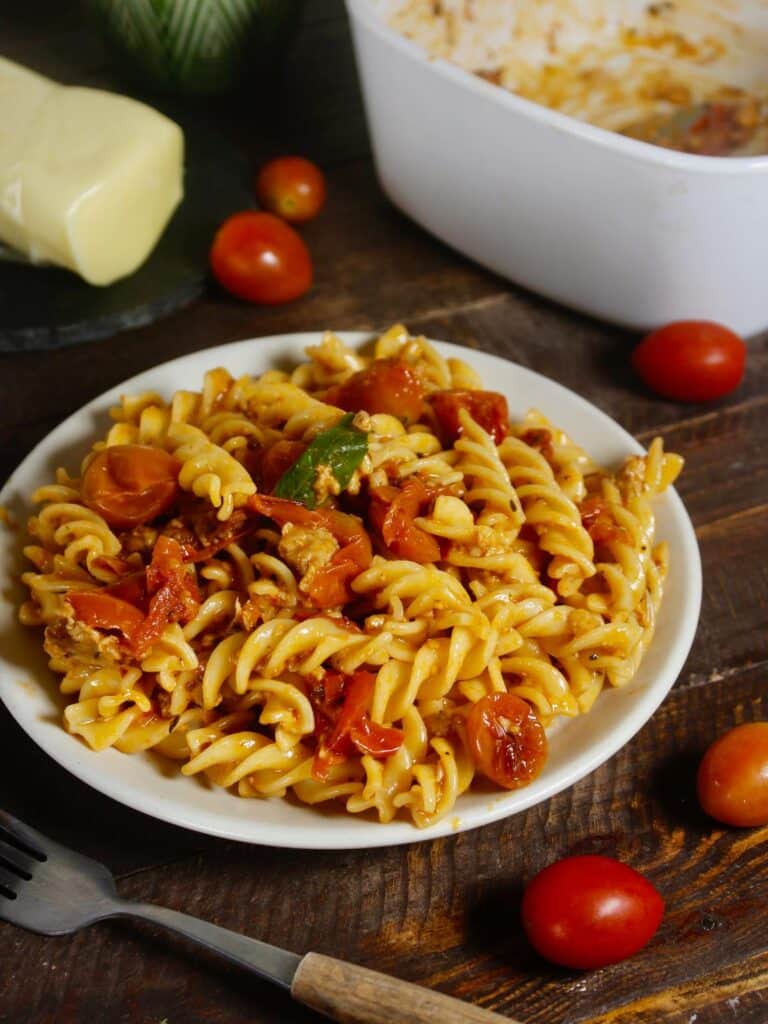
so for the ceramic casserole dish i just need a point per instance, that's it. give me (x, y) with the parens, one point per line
(620, 228)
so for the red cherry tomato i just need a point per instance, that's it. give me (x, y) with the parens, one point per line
(733, 776)
(586, 912)
(104, 611)
(130, 484)
(173, 593)
(387, 386)
(269, 464)
(292, 188)
(506, 740)
(391, 513)
(487, 408)
(691, 360)
(342, 723)
(259, 258)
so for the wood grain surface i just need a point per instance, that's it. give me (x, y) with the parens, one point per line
(442, 914)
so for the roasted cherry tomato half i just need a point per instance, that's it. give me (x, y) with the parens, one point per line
(691, 360)
(587, 912)
(733, 776)
(104, 611)
(259, 258)
(391, 513)
(487, 408)
(506, 740)
(386, 386)
(292, 188)
(130, 484)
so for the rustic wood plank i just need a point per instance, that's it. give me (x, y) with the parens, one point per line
(736, 993)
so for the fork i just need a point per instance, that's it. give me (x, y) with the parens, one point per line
(49, 889)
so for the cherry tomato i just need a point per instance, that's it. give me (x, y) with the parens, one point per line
(487, 408)
(586, 912)
(130, 484)
(292, 188)
(391, 514)
(733, 776)
(104, 611)
(691, 360)
(270, 464)
(506, 740)
(388, 386)
(329, 586)
(174, 595)
(343, 725)
(259, 258)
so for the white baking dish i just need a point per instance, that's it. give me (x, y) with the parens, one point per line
(619, 228)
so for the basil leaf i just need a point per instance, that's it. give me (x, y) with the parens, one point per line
(341, 448)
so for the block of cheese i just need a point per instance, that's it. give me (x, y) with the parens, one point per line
(88, 179)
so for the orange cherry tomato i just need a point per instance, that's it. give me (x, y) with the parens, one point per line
(506, 740)
(691, 360)
(329, 586)
(130, 484)
(733, 776)
(259, 258)
(487, 408)
(99, 610)
(391, 513)
(292, 188)
(590, 911)
(387, 386)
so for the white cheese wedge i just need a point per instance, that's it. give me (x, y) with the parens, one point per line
(88, 179)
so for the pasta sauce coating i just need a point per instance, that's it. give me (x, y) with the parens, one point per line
(378, 639)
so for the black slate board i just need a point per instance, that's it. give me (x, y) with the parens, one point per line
(46, 307)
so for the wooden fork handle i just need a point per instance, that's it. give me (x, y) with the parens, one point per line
(355, 995)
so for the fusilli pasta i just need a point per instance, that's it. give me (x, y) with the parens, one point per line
(359, 644)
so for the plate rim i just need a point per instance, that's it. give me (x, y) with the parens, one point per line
(179, 813)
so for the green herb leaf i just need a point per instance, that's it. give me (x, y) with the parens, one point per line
(341, 449)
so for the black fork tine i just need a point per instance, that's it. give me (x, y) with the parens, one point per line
(9, 884)
(13, 859)
(21, 836)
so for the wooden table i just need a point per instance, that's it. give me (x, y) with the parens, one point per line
(440, 913)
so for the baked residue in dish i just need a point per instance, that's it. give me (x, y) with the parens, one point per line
(688, 75)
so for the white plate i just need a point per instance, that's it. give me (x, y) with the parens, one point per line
(29, 690)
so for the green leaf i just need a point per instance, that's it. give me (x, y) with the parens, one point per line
(341, 449)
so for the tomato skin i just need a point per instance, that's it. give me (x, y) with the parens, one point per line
(291, 187)
(691, 360)
(391, 513)
(329, 586)
(100, 610)
(342, 723)
(597, 520)
(270, 464)
(173, 594)
(259, 258)
(507, 741)
(732, 780)
(388, 386)
(130, 484)
(487, 408)
(587, 912)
